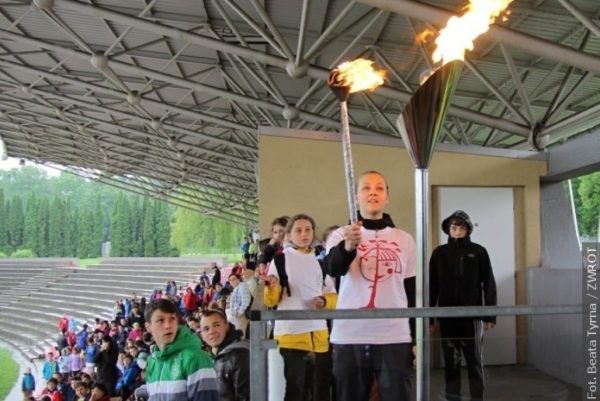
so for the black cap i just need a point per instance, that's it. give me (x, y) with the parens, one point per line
(459, 214)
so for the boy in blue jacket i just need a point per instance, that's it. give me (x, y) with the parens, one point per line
(126, 383)
(27, 384)
(50, 367)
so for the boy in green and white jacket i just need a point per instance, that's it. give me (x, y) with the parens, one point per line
(178, 369)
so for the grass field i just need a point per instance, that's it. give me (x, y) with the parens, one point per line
(10, 371)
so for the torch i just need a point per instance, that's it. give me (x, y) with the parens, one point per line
(420, 124)
(350, 77)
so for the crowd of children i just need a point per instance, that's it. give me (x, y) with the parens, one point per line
(109, 359)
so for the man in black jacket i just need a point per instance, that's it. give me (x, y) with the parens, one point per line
(460, 274)
(231, 354)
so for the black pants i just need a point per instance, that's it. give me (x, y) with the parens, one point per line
(460, 338)
(307, 375)
(355, 366)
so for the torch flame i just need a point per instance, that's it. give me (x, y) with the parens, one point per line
(424, 36)
(358, 75)
(460, 32)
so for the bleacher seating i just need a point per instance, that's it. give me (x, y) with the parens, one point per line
(37, 292)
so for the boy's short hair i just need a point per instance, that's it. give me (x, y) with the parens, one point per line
(100, 386)
(163, 305)
(52, 380)
(215, 312)
(81, 384)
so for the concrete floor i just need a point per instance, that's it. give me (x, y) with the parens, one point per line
(512, 383)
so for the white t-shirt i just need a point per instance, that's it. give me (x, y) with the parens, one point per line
(305, 280)
(375, 280)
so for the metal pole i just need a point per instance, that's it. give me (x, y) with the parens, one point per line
(258, 361)
(422, 284)
(348, 168)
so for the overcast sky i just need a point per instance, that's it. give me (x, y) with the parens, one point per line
(13, 162)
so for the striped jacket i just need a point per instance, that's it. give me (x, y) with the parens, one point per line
(181, 371)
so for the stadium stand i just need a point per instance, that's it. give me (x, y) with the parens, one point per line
(37, 292)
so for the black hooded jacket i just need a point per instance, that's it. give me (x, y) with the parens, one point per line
(232, 364)
(460, 274)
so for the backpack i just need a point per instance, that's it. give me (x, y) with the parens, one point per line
(249, 307)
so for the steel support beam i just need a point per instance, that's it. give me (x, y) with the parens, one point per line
(117, 94)
(589, 24)
(531, 44)
(313, 71)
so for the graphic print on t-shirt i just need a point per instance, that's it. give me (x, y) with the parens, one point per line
(379, 260)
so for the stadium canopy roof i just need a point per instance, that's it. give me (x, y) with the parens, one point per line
(165, 97)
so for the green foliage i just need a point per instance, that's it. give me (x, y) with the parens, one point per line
(42, 228)
(23, 253)
(194, 233)
(162, 229)
(15, 222)
(3, 223)
(89, 262)
(149, 230)
(71, 216)
(57, 227)
(10, 371)
(588, 203)
(120, 228)
(3, 255)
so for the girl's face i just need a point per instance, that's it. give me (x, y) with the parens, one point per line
(372, 195)
(302, 234)
(278, 232)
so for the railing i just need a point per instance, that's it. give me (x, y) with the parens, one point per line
(259, 345)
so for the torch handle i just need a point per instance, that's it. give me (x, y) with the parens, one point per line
(348, 167)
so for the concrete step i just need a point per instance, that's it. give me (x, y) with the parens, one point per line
(64, 305)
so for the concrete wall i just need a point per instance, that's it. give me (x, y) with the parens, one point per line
(560, 247)
(555, 342)
(302, 171)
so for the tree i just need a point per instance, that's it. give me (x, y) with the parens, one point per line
(16, 222)
(120, 228)
(194, 233)
(31, 232)
(57, 224)
(73, 230)
(98, 232)
(3, 224)
(588, 191)
(149, 232)
(163, 229)
(85, 226)
(42, 249)
(136, 223)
